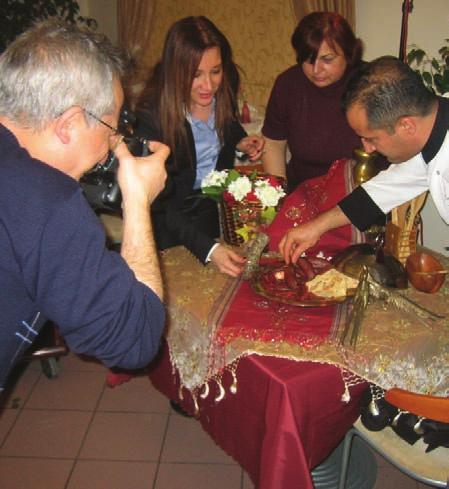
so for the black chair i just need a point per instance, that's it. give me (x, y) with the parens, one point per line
(48, 347)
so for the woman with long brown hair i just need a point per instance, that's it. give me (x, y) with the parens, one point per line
(190, 104)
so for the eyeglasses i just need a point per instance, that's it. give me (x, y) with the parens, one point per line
(114, 130)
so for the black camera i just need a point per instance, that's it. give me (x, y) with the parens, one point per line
(100, 185)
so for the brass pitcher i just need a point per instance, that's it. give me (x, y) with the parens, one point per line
(365, 167)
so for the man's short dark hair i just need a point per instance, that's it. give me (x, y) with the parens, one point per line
(388, 89)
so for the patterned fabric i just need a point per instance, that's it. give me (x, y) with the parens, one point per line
(211, 327)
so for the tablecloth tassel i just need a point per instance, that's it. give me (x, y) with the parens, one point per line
(195, 405)
(233, 387)
(180, 394)
(205, 392)
(346, 396)
(221, 392)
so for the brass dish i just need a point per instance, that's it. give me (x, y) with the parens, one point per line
(315, 301)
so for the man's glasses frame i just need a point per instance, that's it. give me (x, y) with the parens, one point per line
(114, 130)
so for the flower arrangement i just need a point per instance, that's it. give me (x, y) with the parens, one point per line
(248, 199)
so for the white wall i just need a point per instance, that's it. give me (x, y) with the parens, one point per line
(378, 24)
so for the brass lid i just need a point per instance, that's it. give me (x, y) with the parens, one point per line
(361, 155)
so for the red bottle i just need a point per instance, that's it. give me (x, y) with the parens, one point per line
(245, 116)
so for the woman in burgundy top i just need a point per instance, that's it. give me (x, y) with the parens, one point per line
(304, 110)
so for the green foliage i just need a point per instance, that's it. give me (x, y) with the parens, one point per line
(17, 15)
(433, 71)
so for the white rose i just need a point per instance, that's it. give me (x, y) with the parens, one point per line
(239, 188)
(214, 179)
(269, 196)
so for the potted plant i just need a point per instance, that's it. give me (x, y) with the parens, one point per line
(433, 71)
(17, 16)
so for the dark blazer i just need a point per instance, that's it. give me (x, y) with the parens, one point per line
(180, 216)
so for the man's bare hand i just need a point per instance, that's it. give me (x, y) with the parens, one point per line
(299, 239)
(141, 179)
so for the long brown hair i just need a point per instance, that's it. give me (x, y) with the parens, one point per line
(170, 85)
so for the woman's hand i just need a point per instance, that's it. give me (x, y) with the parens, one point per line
(252, 146)
(227, 261)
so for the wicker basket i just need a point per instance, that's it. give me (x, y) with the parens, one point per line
(239, 214)
(399, 242)
(235, 216)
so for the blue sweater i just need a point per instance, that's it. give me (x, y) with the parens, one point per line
(54, 265)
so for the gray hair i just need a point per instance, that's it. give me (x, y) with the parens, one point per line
(54, 66)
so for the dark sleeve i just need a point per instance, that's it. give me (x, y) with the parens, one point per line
(101, 309)
(234, 134)
(186, 226)
(197, 228)
(361, 209)
(275, 114)
(173, 225)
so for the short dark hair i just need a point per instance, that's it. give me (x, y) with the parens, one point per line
(388, 89)
(331, 27)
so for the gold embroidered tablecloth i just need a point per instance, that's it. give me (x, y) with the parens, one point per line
(395, 348)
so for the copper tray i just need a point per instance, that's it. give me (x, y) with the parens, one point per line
(315, 301)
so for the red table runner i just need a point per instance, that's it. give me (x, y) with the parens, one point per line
(253, 317)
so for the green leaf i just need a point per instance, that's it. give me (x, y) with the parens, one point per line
(18, 15)
(214, 193)
(443, 51)
(268, 214)
(244, 232)
(419, 56)
(232, 176)
(411, 56)
(427, 77)
(253, 175)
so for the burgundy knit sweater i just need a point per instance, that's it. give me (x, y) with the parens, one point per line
(313, 123)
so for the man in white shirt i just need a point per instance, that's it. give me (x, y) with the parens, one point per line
(389, 107)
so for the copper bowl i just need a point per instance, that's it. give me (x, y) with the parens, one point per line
(425, 272)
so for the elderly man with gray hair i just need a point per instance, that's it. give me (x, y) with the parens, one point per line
(60, 99)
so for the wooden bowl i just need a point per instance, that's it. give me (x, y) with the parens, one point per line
(425, 272)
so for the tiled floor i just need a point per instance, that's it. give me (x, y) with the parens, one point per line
(73, 432)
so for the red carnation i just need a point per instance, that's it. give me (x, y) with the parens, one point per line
(273, 181)
(228, 197)
(251, 197)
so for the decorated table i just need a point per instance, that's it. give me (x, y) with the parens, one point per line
(280, 407)
(271, 382)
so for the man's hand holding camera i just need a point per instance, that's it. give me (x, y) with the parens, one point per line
(141, 179)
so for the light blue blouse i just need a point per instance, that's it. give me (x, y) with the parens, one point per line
(207, 145)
